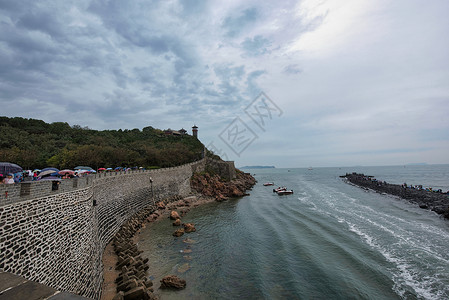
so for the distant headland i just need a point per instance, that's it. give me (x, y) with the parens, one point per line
(258, 167)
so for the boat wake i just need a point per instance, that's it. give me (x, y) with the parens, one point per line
(417, 252)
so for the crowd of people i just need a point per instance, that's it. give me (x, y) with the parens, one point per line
(57, 175)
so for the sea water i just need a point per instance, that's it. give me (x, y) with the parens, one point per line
(329, 240)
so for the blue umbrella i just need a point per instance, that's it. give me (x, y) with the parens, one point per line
(47, 171)
(6, 167)
(50, 168)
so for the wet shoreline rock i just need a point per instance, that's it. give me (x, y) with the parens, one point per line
(212, 185)
(174, 215)
(189, 227)
(437, 202)
(173, 282)
(179, 232)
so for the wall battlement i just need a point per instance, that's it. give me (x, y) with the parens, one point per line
(57, 237)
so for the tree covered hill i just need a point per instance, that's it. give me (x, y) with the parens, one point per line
(33, 144)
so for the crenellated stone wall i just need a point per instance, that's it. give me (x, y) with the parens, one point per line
(57, 237)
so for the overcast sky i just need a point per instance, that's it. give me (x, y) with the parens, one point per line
(353, 82)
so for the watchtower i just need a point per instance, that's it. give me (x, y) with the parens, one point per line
(195, 131)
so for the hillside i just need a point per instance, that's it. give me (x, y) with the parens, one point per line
(33, 144)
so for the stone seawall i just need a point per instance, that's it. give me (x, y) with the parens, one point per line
(57, 236)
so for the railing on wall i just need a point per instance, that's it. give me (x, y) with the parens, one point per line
(11, 193)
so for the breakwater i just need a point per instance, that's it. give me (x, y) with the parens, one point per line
(435, 201)
(56, 236)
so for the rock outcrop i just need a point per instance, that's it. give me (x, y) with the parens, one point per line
(220, 189)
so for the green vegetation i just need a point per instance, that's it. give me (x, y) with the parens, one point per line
(33, 144)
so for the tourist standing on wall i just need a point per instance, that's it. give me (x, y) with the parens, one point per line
(9, 179)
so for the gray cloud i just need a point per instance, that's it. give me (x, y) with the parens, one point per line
(256, 46)
(110, 64)
(237, 22)
(292, 69)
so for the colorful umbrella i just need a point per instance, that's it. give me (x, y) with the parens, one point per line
(47, 172)
(6, 167)
(53, 171)
(64, 172)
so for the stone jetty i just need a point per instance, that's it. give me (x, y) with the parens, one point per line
(436, 201)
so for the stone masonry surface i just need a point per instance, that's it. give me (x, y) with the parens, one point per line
(57, 237)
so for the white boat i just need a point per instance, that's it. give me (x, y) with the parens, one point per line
(279, 189)
(268, 183)
(285, 192)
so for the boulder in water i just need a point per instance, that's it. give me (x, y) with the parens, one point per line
(177, 222)
(189, 227)
(178, 232)
(173, 282)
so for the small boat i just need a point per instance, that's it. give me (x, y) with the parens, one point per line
(268, 183)
(285, 192)
(279, 189)
(310, 168)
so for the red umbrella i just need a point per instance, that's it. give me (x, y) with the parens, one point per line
(101, 169)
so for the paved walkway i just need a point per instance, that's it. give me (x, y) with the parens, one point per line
(13, 287)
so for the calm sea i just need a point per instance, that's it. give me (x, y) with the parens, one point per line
(329, 240)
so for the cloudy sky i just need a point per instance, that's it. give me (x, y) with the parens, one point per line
(354, 82)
